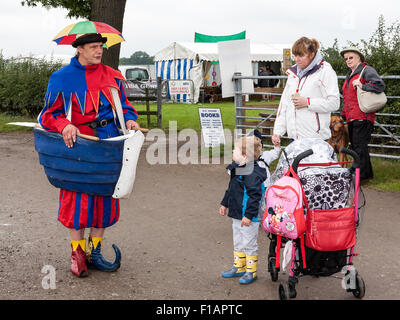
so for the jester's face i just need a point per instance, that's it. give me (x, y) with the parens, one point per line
(90, 53)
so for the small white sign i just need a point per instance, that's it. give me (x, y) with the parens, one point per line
(211, 127)
(180, 87)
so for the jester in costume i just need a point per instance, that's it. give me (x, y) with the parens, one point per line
(78, 99)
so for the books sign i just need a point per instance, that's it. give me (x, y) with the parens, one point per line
(211, 127)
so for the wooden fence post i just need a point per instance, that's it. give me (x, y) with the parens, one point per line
(147, 107)
(156, 97)
(159, 102)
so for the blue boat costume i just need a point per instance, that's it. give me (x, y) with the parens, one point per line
(80, 95)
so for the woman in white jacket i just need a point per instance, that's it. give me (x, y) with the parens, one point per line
(310, 95)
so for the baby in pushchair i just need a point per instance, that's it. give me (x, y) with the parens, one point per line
(331, 206)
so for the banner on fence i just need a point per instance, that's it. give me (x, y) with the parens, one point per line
(211, 127)
(180, 87)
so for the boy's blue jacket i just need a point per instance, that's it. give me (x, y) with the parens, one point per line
(244, 191)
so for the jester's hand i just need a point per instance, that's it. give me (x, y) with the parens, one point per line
(69, 134)
(132, 125)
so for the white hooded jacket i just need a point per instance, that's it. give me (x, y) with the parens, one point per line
(320, 86)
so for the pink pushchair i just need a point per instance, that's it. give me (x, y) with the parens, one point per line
(331, 233)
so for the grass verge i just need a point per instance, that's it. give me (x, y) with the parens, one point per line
(386, 171)
(187, 115)
(386, 175)
(5, 119)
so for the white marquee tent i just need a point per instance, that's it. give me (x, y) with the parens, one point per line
(197, 61)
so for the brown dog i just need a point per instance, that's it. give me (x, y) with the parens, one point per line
(339, 136)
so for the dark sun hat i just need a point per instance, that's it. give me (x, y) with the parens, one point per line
(89, 38)
(353, 49)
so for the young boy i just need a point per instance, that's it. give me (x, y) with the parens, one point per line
(264, 161)
(245, 190)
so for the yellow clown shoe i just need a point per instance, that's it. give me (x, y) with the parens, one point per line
(239, 266)
(251, 270)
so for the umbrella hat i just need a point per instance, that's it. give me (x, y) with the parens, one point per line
(69, 34)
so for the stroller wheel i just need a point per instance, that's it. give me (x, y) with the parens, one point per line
(272, 270)
(282, 292)
(287, 291)
(359, 291)
(292, 291)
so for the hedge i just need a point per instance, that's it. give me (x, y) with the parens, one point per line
(23, 84)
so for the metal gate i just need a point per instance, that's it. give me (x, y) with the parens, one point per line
(389, 136)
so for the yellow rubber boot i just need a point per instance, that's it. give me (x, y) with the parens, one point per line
(239, 266)
(251, 270)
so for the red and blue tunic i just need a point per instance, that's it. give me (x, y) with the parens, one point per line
(84, 93)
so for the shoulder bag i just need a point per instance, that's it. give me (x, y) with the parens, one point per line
(368, 101)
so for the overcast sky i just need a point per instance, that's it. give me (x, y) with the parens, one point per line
(152, 25)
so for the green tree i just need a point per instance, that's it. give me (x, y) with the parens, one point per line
(110, 12)
(332, 55)
(382, 51)
(138, 57)
(76, 8)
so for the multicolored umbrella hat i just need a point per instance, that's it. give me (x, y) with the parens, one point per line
(70, 33)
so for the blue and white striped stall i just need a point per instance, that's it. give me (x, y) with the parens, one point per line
(197, 62)
(177, 69)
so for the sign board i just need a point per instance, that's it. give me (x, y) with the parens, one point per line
(136, 88)
(140, 85)
(234, 56)
(211, 127)
(180, 87)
